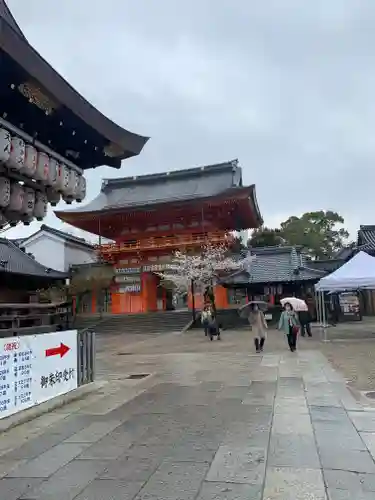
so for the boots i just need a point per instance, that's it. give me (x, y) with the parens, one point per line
(256, 342)
(261, 345)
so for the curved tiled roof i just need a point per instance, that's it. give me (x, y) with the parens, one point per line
(178, 185)
(366, 238)
(14, 260)
(276, 265)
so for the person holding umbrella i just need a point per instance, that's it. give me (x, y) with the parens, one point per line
(289, 324)
(257, 321)
(301, 308)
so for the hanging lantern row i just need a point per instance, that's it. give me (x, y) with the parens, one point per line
(19, 203)
(50, 181)
(24, 159)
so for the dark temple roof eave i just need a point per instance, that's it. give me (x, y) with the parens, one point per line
(7, 16)
(155, 205)
(16, 46)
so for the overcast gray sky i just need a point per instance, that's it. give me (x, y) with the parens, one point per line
(285, 86)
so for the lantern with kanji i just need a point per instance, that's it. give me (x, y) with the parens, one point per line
(17, 154)
(5, 145)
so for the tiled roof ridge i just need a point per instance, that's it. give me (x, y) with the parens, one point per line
(310, 269)
(177, 174)
(57, 232)
(276, 249)
(66, 235)
(295, 259)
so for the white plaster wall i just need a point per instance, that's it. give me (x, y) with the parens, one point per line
(75, 255)
(49, 252)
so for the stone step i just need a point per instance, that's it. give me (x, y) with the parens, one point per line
(159, 322)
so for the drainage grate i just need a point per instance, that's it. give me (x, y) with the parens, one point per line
(370, 395)
(124, 353)
(134, 376)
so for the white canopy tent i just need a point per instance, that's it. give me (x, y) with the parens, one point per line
(357, 273)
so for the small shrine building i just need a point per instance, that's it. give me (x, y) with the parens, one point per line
(149, 217)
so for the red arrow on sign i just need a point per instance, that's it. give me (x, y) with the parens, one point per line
(57, 351)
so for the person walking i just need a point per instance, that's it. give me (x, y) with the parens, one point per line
(258, 325)
(206, 319)
(304, 318)
(289, 324)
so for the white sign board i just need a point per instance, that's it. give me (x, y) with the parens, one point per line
(36, 368)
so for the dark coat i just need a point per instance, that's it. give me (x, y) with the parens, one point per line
(304, 317)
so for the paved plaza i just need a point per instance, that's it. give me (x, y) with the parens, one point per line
(209, 421)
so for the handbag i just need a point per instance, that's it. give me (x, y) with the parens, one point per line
(295, 329)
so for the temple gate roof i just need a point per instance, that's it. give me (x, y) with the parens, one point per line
(176, 186)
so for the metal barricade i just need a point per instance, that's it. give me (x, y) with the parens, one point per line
(86, 352)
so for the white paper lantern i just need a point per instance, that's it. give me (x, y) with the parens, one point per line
(28, 202)
(66, 181)
(31, 158)
(81, 194)
(61, 173)
(52, 172)
(16, 197)
(76, 186)
(5, 145)
(53, 197)
(40, 209)
(69, 191)
(4, 192)
(42, 167)
(17, 154)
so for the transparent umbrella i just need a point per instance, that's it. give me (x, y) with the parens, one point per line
(297, 304)
(245, 309)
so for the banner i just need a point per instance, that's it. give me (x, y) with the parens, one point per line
(35, 369)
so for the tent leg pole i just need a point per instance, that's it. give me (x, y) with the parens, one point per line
(317, 299)
(317, 309)
(321, 315)
(324, 319)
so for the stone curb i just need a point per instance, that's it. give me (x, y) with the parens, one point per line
(36, 411)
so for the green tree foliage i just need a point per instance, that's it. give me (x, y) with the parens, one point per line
(265, 237)
(319, 232)
(236, 246)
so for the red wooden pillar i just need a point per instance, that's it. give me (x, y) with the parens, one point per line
(149, 291)
(221, 297)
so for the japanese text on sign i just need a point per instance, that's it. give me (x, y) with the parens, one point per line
(34, 369)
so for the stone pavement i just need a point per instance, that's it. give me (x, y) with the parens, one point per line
(210, 425)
